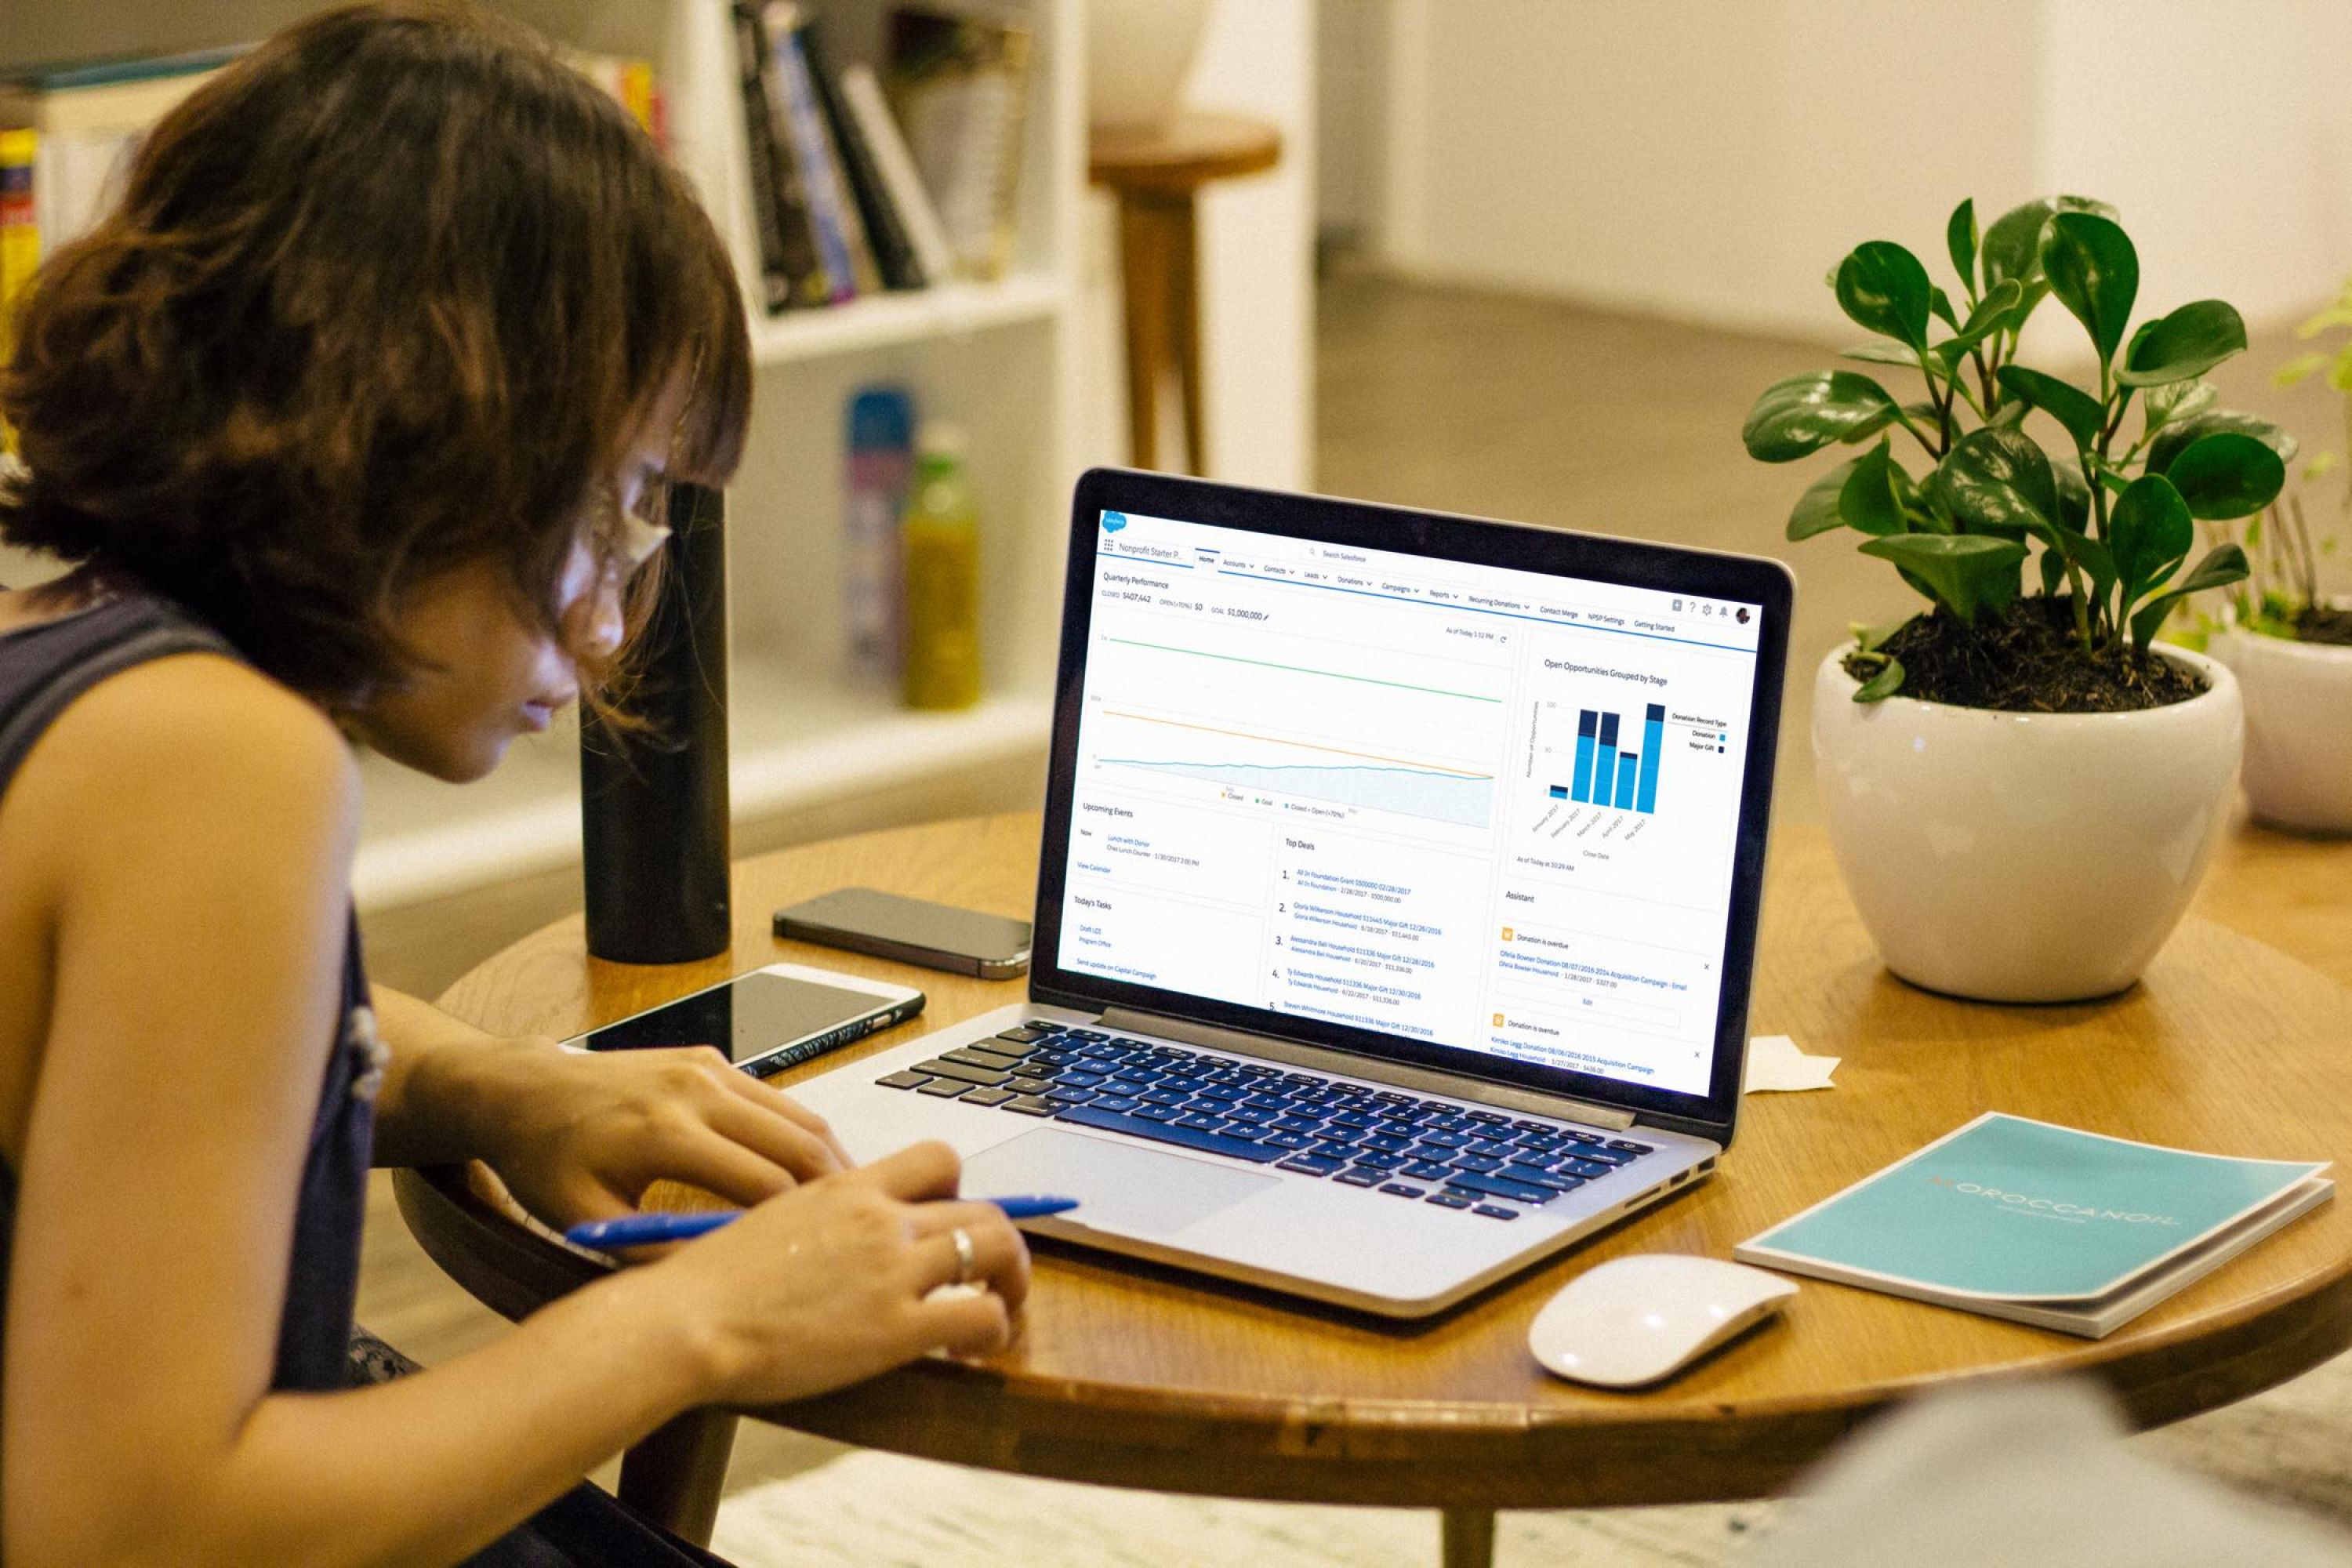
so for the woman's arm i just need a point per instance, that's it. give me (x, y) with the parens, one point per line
(195, 826)
(579, 1136)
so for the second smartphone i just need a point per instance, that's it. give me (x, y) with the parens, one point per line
(936, 936)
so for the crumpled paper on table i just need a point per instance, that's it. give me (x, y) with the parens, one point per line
(1775, 1066)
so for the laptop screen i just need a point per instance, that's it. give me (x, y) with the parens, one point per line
(1471, 808)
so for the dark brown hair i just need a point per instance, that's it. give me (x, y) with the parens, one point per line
(392, 294)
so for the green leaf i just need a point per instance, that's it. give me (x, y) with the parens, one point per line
(2180, 434)
(2300, 368)
(1803, 413)
(2054, 570)
(2096, 561)
(1939, 305)
(1969, 573)
(2012, 246)
(1869, 640)
(1992, 315)
(2184, 344)
(2095, 272)
(1998, 480)
(1884, 288)
(2337, 315)
(1876, 353)
(2226, 475)
(2073, 495)
(1960, 241)
(2178, 400)
(2340, 378)
(1872, 498)
(2149, 532)
(1885, 684)
(2077, 410)
(1816, 510)
(2223, 565)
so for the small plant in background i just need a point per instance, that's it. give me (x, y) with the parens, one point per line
(2283, 597)
(2112, 520)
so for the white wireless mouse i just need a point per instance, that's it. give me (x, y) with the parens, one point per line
(1633, 1320)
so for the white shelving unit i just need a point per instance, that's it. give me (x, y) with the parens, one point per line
(1000, 358)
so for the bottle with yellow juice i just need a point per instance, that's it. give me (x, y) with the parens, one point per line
(942, 542)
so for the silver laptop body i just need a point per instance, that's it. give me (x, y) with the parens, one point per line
(1397, 902)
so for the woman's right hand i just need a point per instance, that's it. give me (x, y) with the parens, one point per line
(829, 1283)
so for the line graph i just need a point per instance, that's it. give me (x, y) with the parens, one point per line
(1371, 781)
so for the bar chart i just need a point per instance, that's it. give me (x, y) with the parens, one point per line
(1611, 772)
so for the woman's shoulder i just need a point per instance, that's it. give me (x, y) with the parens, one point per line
(194, 739)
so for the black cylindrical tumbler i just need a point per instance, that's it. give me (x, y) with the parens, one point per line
(653, 801)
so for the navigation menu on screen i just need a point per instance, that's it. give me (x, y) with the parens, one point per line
(1465, 806)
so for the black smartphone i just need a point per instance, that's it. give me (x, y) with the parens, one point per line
(936, 936)
(767, 1020)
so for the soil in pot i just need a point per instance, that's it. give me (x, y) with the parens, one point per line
(2027, 659)
(2324, 623)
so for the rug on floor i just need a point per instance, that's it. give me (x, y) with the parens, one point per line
(879, 1511)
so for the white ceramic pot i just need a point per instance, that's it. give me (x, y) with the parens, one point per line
(2298, 696)
(1139, 53)
(2024, 856)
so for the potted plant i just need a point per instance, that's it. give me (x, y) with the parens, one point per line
(2021, 790)
(2290, 647)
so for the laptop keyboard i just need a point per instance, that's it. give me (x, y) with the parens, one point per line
(1384, 1141)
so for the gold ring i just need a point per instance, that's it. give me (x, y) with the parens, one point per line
(967, 1259)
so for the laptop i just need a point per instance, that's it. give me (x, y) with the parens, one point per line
(1397, 903)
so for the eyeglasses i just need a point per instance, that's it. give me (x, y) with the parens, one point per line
(624, 538)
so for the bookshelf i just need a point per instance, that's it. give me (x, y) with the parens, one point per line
(998, 357)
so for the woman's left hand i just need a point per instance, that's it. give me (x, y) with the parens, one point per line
(579, 1136)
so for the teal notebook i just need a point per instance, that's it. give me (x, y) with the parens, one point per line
(2041, 1223)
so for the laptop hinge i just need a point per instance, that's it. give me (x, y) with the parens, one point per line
(1428, 1081)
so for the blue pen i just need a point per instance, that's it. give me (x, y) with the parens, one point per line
(645, 1229)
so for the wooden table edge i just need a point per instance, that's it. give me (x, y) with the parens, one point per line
(1394, 1452)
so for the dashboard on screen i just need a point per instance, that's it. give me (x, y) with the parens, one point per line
(1469, 807)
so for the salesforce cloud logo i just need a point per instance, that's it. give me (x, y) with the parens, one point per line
(1113, 521)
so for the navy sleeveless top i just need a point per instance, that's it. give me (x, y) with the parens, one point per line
(42, 668)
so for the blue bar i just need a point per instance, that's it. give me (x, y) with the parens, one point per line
(1653, 739)
(1628, 779)
(1605, 768)
(1559, 792)
(1587, 722)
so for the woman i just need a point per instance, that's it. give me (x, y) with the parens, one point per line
(350, 421)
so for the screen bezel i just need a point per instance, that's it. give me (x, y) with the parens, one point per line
(1448, 537)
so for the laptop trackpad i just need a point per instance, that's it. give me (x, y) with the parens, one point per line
(1136, 1192)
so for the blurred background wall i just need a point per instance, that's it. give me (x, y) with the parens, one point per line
(1711, 161)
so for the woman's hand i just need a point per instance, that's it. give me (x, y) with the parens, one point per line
(579, 1136)
(832, 1283)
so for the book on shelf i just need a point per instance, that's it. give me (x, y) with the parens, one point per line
(959, 83)
(885, 230)
(85, 120)
(791, 273)
(2041, 1223)
(894, 166)
(632, 83)
(834, 216)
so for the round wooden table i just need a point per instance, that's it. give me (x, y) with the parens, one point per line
(1129, 1375)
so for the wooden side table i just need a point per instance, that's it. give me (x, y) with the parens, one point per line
(1129, 1375)
(1157, 174)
